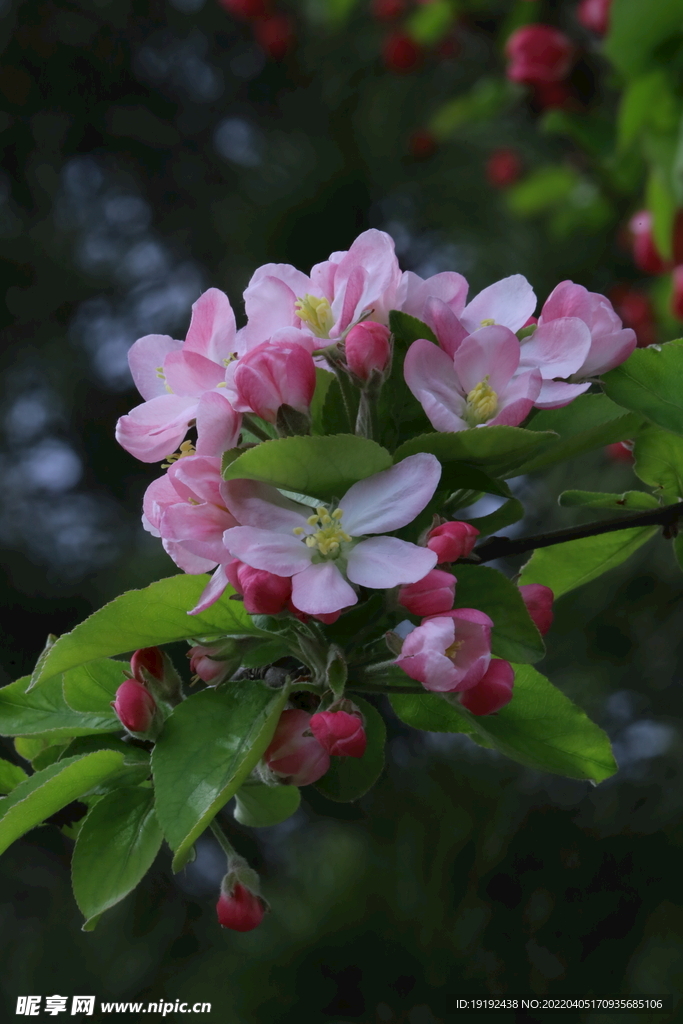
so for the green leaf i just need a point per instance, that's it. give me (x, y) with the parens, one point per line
(431, 713)
(10, 776)
(265, 653)
(25, 712)
(259, 806)
(46, 792)
(208, 747)
(640, 100)
(629, 501)
(323, 380)
(132, 756)
(488, 97)
(678, 549)
(349, 778)
(399, 414)
(324, 467)
(650, 382)
(661, 203)
(145, 618)
(116, 846)
(589, 422)
(430, 22)
(511, 512)
(542, 190)
(635, 33)
(500, 450)
(406, 329)
(659, 462)
(92, 687)
(514, 635)
(563, 567)
(459, 476)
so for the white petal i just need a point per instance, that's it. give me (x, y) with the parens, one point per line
(388, 562)
(391, 499)
(268, 550)
(321, 589)
(256, 504)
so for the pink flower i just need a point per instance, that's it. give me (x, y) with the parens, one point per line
(272, 375)
(135, 706)
(294, 754)
(367, 348)
(450, 652)
(181, 382)
(187, 508)
(325, 550)
(539, 604)
(264, 593)
(240, 909)
(493, 691)
(414, 292)
(538, 53)
(431, 595)
(340, 733)
(452, 541)
(479, 384)
(594, 14)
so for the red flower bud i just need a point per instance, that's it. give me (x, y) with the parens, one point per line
(539, 604)
(422, 144)
(432, 595)
(367, 348)
(620, 451)
(594, 14)
(636, 310)
(401, 53)
(340, 733)
(551, 95)
(135, 706)
(493, 691)
(645, 254)
(151, 660)
(387, 10)
(240, 910)
(296, 758)
(452, 540)
(248, 9)
(264, 593)
(215, 662)
(677, 294)
(503, 168)
(275, 35)
(538, 54)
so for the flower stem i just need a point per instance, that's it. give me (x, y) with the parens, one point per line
(226, 846)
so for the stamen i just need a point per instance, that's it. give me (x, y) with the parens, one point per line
(317, 313)
(482, 403)
(186, 448)
(487, 323)
(328, 536)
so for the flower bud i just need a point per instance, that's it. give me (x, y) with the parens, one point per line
(677, 294)
(135, 706)
(367, 348)
(493, 691)
(594, 14)
(431, 595)
(241, 911)
(452, 541)
(620, 452)
(503, 168)
(149, 659)
(213, 663)
(339, 732)
(274, 375)
(401, 53)
(422, 144)
(538, 54)
(275, 35)
(296, 758)
(637, 312)
(645, 253)
(539, 604)
(263, 592)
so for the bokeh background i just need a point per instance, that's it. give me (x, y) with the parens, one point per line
(153, 148)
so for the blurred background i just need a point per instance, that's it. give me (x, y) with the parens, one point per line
(154, 148)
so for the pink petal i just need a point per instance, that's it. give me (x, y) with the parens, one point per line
(445, 324)
(218, 425)
(373, 252)
(515, 400)
(158, 496)
(185, 560)
(555, 393)
(391, 499)
(509, 302)
(352, 307)
(262, 506)
(384, 562)
(188, 373)
(491, 352)
(429, 374)
(146, 360)
(608, 351)
(199, 528)
(558, 348)
(270, 300)
(569, 299)
(414, 292)
(154, 430)
(198, 478)
(321, 589)
(211, 593)
(266, 549)
(212, 327)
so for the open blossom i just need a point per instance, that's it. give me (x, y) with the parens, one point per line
(448, 652)
(326, 551)
(183, 382)
(493, 691)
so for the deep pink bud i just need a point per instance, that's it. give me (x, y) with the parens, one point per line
(538, 54)
(340, 733)
(149, 658)
(594, 14)
(431, 595)
(452, 541)
(367, 348)
(215, 662)
(637, 312)
(539, 604)
(273, 375)
(264, 593)
(240, 910)
(677, 294)
(503, 167)
(401, 53)
(645, 254)
(619, 452)
(135, 706)
(296, 758)
(493, 691)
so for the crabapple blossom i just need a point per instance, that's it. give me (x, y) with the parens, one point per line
(327, 550)
(340, 733)
(148, 659)
(264, 593)
(594, 14)
(493, 691)
(448, 652)
(206, 663)
(367, 348)
(241, 911)
(294, 754)
(270, 376)
(645, 253)
(135, 706)
(452, 540)
(429, 596)
(538, 54)
(539, 604)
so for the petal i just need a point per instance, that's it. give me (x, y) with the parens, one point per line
(373, 252)
(321, 589)
(213, 590)
(146, 360)
(569, 299)
(448, 287)
(158, 496)
(509, 302)
(558, 348)
(199, 528)
(187, 561)
(198, 478)
(356, 287)
(445, 324)
(260, 505)
(154, 430)
(212, 327)
(270, 300)
(429, 374)
(391, 499)
(555, 393)
(383, 562)
(218, 425)
(491, 352)
(608, 351)
(266, 549)
(516, 400)
(188, 373)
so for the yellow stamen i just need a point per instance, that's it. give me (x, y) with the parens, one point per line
(451, 651)
(487, 323)
(316, 313)
(329, 536)
(298, 530)
(186, 448)
(482, 403)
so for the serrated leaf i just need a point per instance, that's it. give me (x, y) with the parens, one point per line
(431, 713)
(659, 462)
(629, 501)
(259, 806)
(650, 383)
(116, 846)
(324, 467)
(514, 635)
(92, 687)
(349, 778)
(499, 450)
(406, 329)
(10, 776)
(25, 712)
(209, 745)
